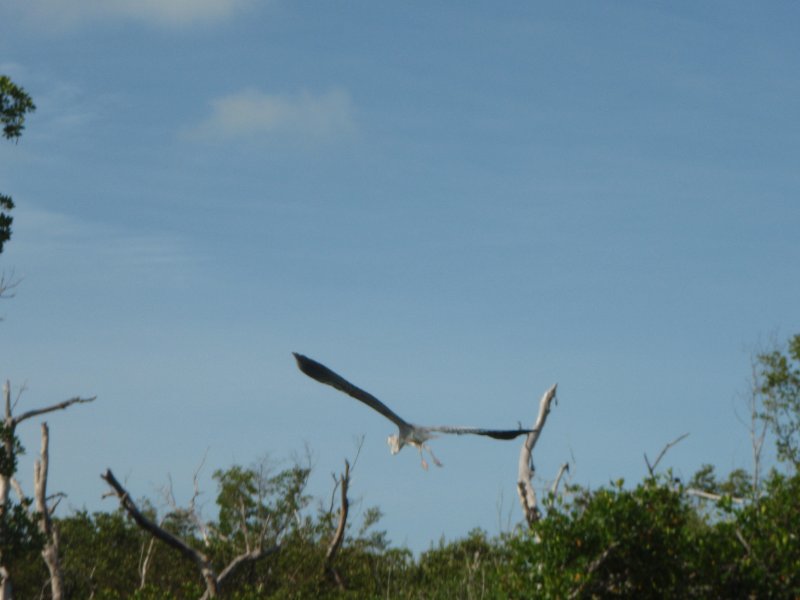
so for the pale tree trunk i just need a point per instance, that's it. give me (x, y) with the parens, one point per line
(5, 584)
(527, 495)
(338, 537)
(46, 526)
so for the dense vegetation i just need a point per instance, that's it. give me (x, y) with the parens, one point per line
(650, 541)
(708, 538)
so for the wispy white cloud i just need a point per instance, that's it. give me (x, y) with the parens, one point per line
(250, 114)
(65, 14)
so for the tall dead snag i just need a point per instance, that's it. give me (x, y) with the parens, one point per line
(213, 581)
(336, 542)
(44, 514)
(8, 465)
(527, 495)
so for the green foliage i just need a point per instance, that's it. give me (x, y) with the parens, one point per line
(614, 542)
(20, 538)
(651, 541)
(102, 555)
(467, 568)
(779, 383)
(14, 104)
(769, 534)
(10, 449)
(739, 483)
(251, 501)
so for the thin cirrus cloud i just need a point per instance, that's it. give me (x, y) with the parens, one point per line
(100, 251)
(303, 116)
(62, 14)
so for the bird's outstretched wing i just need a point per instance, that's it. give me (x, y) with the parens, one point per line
(498, 434)
(323, 374)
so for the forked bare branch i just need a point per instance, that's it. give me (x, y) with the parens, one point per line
(564, 468)
(200, 560)
(213, 581)
(338, 537)
(60, 406)
(527, 495)
(652, 468)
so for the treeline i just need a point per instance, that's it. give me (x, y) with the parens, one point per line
(654, 541)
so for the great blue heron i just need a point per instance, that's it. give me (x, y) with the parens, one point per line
(413, 435)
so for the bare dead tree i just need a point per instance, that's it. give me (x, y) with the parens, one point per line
(50, 552)
(652, 467)
(563, 469)
(711, 496)
(43, 516)
(343, 482)
(756, 425)
(9, 453)
(201, 561)
(10, 423)
(192, 512)
(527, 495)
(212, 580)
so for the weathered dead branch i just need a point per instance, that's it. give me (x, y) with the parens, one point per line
(201, 561)
(212, 580)
(60, 406)
(527, 495)
(712, 496)
(563, 469)
(652, 467)
(338, 537)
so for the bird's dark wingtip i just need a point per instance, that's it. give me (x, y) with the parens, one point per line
(313, 369)
(302, 360)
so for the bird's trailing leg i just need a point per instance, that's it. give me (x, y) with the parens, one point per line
(422, 459)
(433, 456)
(420, 446)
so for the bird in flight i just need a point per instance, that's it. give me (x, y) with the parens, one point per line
(409, 434)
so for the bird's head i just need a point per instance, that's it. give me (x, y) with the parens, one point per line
(395, 445)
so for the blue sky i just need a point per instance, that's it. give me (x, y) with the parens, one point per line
(453, 205)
